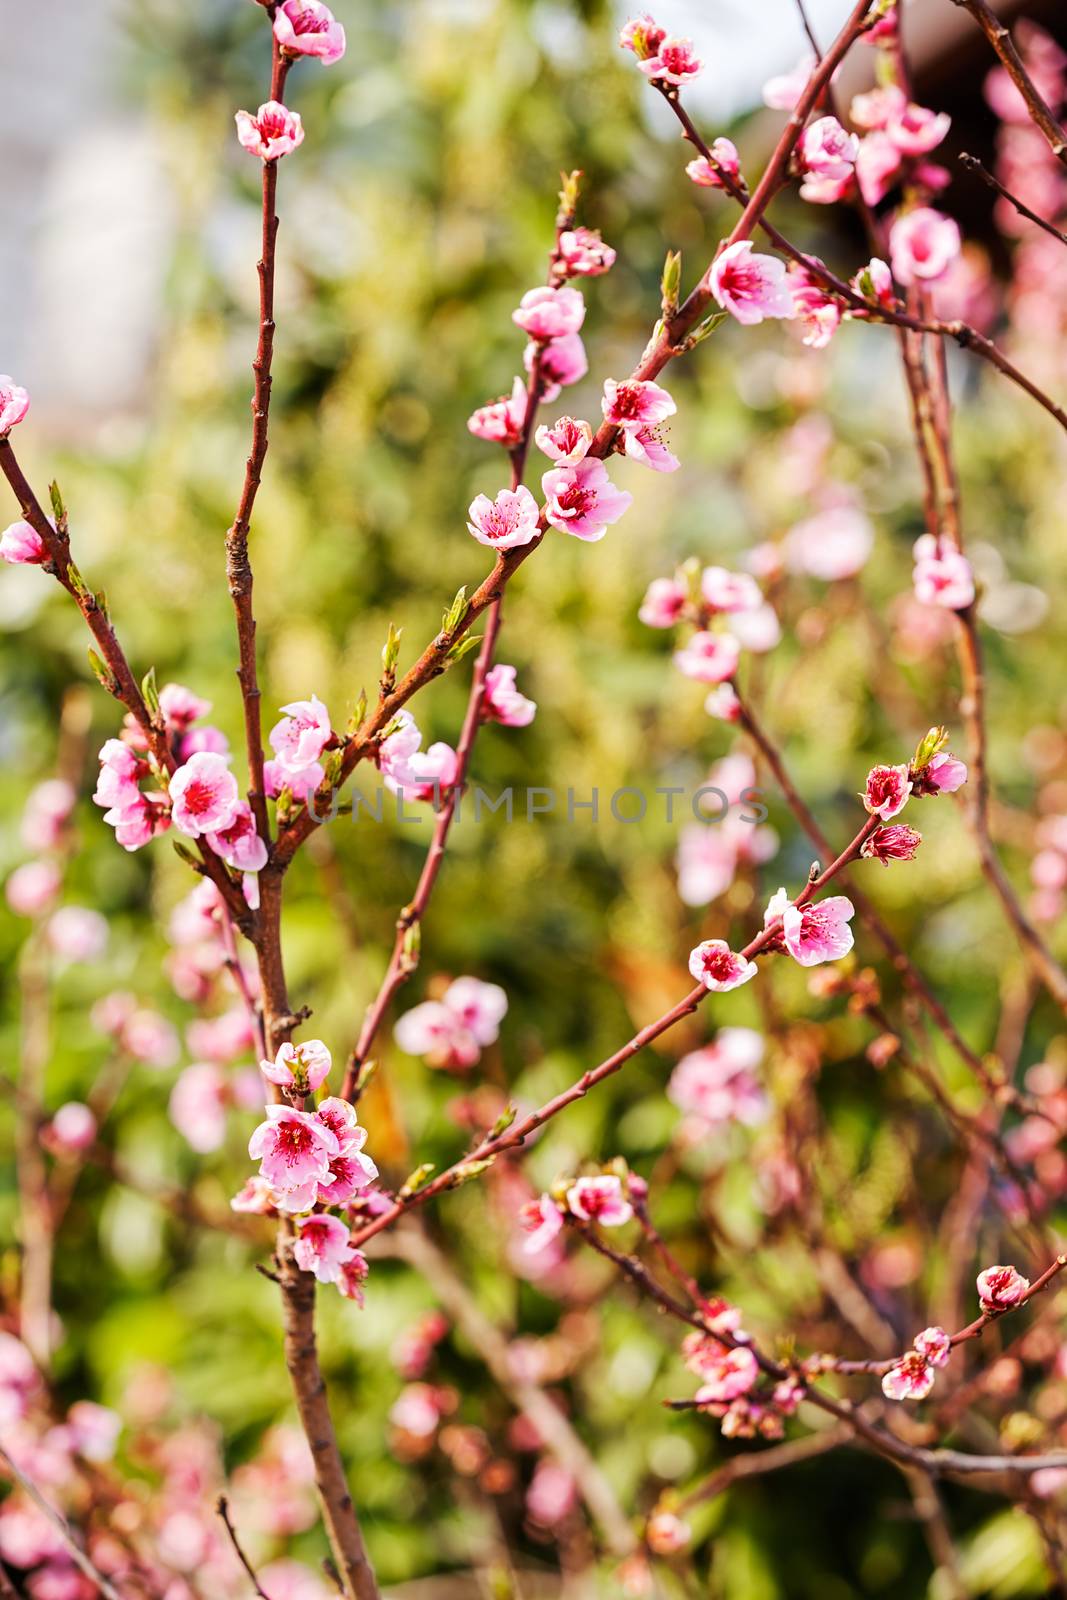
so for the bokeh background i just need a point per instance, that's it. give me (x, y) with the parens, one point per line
(415, 214)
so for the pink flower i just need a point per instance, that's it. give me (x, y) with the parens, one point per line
(301, 785)
(911, 1378)
(351, 1170)
(221, 1039)
(22, 545)
(77, 934)
(643, 35)
(667, 1534)
(31, 888)
(915, 130)
(300, 1067)
(709, 657)
(308, 28)
(923, 244)
(723, 704)
(511, 519)
(94, 1430)
(452, 1032)
(877, 165)
(552, 1495)
(718, 967)
(566, 442)
(647, 446)
(120, 770)
(942, 576)
(673, 62)
(750, 286)
(817, 931)
(943, 774)
(294, 1150)
(427, 775)
(582, 500)
(833, 544)
(818, 312)
(501, 422)
(203, 795)
(876, 107)
(727, 161)
(887, 791)
(542, 1220)
(898, 843)
(181, 707)
(874, 282)
(706, 861)
(239, 844)
(480, 1007)
(634, 404)
(583, 253)
(48, 810)
(600, 1199)
(719, 1084)
(934, 1345)
(71, 1130)
(1000, 1288)
(546, 313)
(727, 1375)
(782, 93)
(665, 600)
(352, 1274)
(273, 132)
(299, 739)
(503, 703)
(560, 363)
(826, 150)
(321, 1246)
(14, 404)
(198, 1104)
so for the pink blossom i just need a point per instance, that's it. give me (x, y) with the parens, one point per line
(583, 253)
(255, 1198)
(643, 35)
(726, 160)
(321, 1246)
(481, 1007)
(817, 931)
(897, 843)
(818, 313)
(14, 404)
(546, 313)
(886, 792)
(673, 62)
(718, 967)
(300, 1067)
(502, 701)
(567, 440)
(77, 934)
(501, 422)
(722, 704)
(923, 244)
(222, 1038)
(582, 500)
(239, 844)
(22, 545)
(418, 1409)
(727, 1375)
(120, 771)
(915, 130)
(647, 446)
(203, 795)
(294, 1150)
(706, 862)
(542, 1220)
(600, 1199)
(634, 404)
(875, 108)
(709, 657)
(427, 775)
(665, 600)
(552, 1495)
(273, 132)
(48, 810)
(71, 1130)
(94, 1430)
(31, 888)
(181, 707)
(299, 739)
(758, 630)
(301, 785)
(198, 1105)
(911, 1378)
(934, 1345)
(877, 165)
(453, 1031)
(666, 1534)
(826, 150)
(781, 93)
(874, 282)
(719, 1084)
(352, 1274)
(309, 28)
(350, 1170)
(833, 544)
(559, 363)
(750, 286)
(943, 576)
(511, 519)
(943, 774)
(1000, 1288)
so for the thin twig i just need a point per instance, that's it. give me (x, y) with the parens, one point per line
(222, 1506)
(1001, 40)
(973, 164)
(62, 1527)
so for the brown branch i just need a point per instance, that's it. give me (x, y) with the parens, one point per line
(62, 1527)
(1002, 43)
(973, 164)
(222, 1506)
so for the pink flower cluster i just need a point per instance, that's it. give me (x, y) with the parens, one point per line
(664, 59)
(410, 771)
(601, 1198)
(312, 1157)
(942, 575)
(898, 136)
(711, 654)
(452, 1032)
(719, 1084)
(814, 932)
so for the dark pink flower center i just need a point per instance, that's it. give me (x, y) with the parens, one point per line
(719, 964)
(199, 797)
(292, 1141)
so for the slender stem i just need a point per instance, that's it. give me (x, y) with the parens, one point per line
(1001, 40)
(222, 1506)
(973, 164)
(59, 1523)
